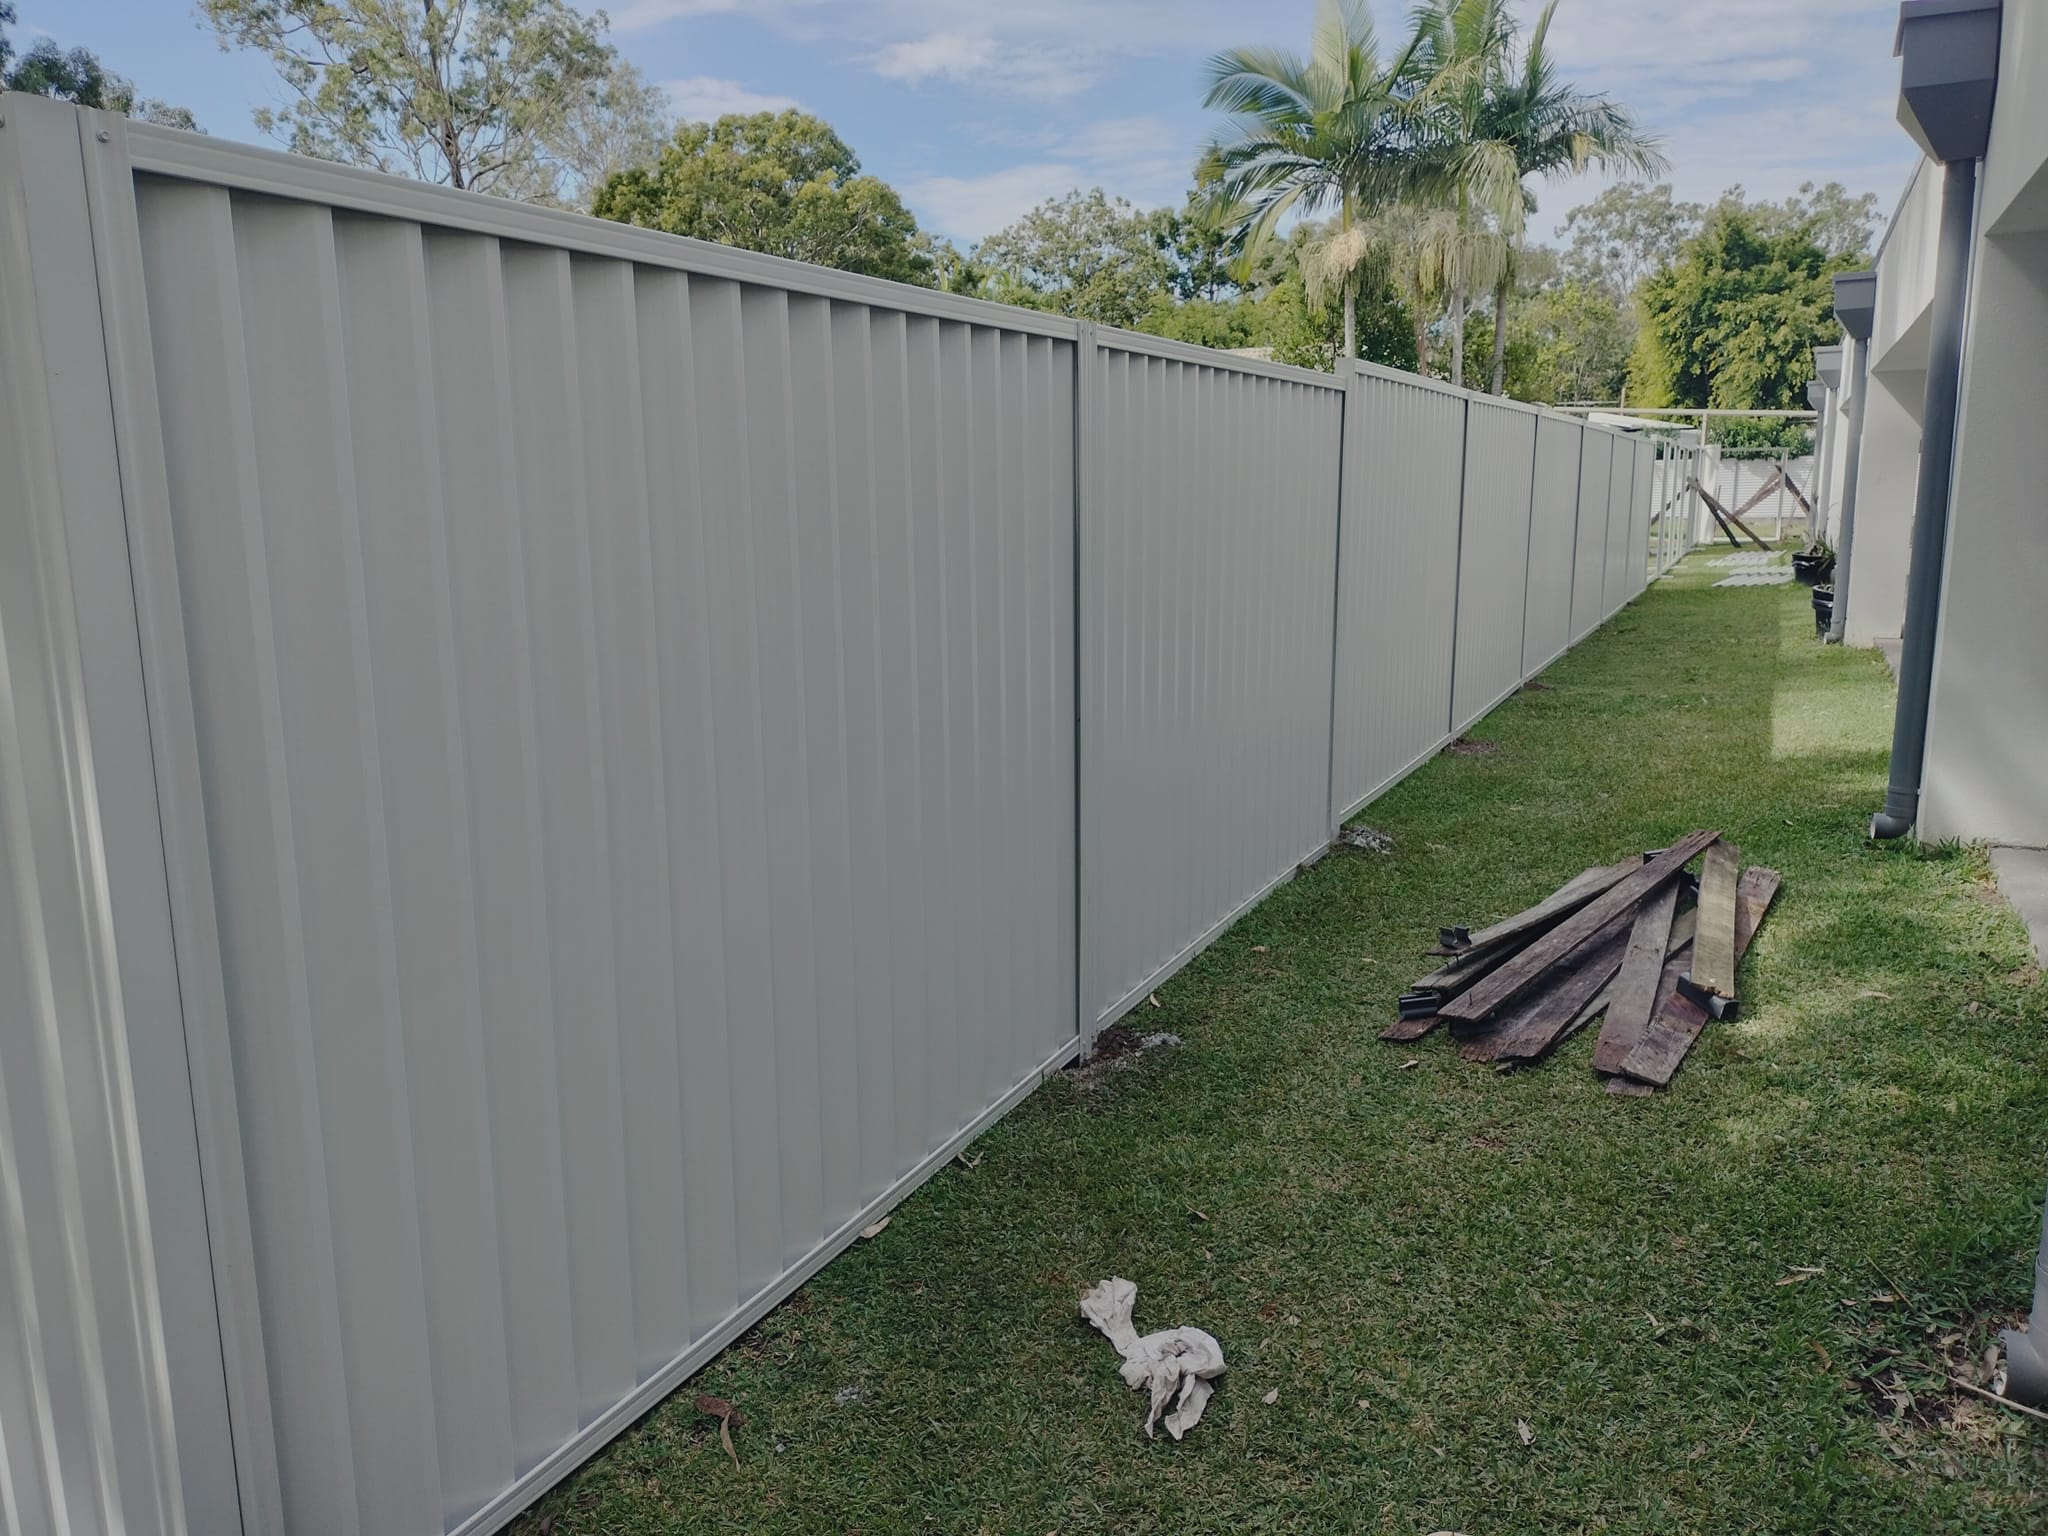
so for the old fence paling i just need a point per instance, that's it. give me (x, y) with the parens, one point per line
(550, 773)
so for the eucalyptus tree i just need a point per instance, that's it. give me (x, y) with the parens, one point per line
(520, 97)
(1545, 127)
(1310, 138)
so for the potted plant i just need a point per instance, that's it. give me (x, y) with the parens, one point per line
(1823, 610)
(1814, 564)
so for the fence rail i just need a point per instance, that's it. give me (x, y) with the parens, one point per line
(550, 773)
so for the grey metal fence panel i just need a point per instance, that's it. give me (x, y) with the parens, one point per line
(539, 771)
(1553, 546)
(1589, 567)
(113, 1415)
(1615, 588)
(1209, 529)
(1642, 504)
(1493, 557)
(1397, 580)
(627, 778)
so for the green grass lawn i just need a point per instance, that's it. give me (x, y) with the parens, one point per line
(1415, 1259)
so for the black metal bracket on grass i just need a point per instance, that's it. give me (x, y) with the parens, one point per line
(1711, 1003)
(1420, 1005)
(1454, 938)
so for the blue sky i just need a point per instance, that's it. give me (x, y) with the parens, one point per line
(977, 109)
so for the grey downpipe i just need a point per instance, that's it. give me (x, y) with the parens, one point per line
(1822, 485)
(1930, 505)
(2026, 1354)
(1852, 466)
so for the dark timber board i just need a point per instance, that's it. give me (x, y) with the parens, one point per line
(1500, 988)
(1713, 952)
(1536, 1020)
(1679, 1019)
(1634, 997)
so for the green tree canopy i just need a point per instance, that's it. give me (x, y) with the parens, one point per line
(1626, 233)
(1733, 322)
(779, 182)
(1085, 255)
(76, 75)
(482, 94)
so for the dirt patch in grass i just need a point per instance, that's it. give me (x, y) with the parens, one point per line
(1466, 746)
(1536, 685)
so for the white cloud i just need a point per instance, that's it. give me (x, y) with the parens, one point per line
(947, 55)
(704, 98)
(1141, 159)
(641, 15)
(965, 208)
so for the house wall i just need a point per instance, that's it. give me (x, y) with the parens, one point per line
(1987, 755)
(1882, 542)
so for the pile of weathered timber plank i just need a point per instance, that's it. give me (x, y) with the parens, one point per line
(1643, 945)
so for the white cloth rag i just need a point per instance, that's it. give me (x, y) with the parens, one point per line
(1178, 1364)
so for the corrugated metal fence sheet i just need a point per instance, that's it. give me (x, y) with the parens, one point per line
(1589, 570)
(1618, 583)
(631, 706)
(1553, 542)
(540, 784)
(1639, 513)
(1397, 579)
(1493, 556)
(1208, 529)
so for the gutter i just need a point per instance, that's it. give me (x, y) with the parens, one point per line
(1948, 86)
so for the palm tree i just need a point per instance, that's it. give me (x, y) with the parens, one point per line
(1418, 242)
(1311, 136)
(1498, 120)
(1462, 51)
(1555, 128)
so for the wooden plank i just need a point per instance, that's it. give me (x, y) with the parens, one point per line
(1455, 975)
(1681, 938)
(1762, 491)
(1560, 904)
(1534, 1042)
(1634, 997)
(1408, 1029)
(1713, 951)
(1537, 1020)
(1679, 1019)
(1503, 985)
(1724, 517)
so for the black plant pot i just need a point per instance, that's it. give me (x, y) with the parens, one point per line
(1823, 611)
(1812, 570)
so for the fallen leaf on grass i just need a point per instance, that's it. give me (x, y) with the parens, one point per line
(1271, 1397)
(1258, 949)
(1522, 1428)
(1195, 1215)
(875, 1230)
(1797, 1273)
(967, 1162)
(727, 1416)
(1414, 1062)
(1883, 997)
(1154, 1001)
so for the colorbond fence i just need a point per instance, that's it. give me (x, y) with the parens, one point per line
(548, 774)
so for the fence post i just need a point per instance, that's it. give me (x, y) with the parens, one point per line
(1348, 420)
(115, 1307)
(1458, 565)
(1087, 636)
